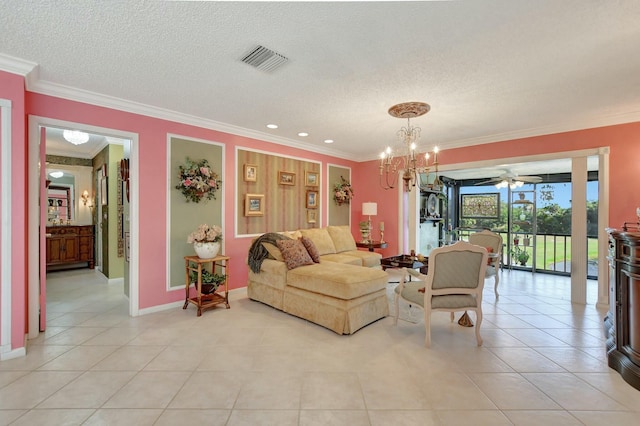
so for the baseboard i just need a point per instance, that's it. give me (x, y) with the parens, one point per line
(115, 281)
(15, 353)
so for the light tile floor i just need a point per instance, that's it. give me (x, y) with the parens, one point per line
(542, 363)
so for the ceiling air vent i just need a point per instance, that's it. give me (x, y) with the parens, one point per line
(264, 59)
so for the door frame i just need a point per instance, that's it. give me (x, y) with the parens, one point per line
(408, 207)
(34, 199)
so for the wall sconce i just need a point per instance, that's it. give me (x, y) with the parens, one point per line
(85, 196)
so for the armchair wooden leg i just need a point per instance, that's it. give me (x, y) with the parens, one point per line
(495, 288)
(478, 323)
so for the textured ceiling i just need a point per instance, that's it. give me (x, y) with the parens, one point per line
(491, 70)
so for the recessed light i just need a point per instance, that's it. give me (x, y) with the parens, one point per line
(328, 141)
(303, 134)
(56, 174)
(272, 126)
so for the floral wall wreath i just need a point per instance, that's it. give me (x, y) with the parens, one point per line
(198, 181)
(342, 192)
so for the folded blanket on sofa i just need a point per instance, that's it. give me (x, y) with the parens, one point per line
(257, 252)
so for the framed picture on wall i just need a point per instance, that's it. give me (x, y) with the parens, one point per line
(250, 173)
(286, 178)
(254, 205)
(312, 216)
(312, 199)
(311, 178)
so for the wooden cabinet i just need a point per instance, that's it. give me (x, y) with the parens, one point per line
(622, 324)
(69, 247)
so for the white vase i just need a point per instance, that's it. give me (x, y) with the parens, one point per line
(206, 250)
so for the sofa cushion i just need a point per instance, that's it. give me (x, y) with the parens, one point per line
(337, 280)
(341, 258)
(366, 258)
(294, 253)
(274, 252)
(342, 238)
(321, 238)
(311, 248)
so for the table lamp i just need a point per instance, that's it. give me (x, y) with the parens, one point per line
(370, 209)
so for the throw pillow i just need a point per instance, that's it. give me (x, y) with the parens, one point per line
(274, 252)
(294, 253)
(311, 248)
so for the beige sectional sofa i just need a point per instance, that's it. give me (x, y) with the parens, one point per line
(344, 292)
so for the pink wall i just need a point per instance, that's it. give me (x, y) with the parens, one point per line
(623, 140)
(625, 169)
(152, 153)
(12, 88)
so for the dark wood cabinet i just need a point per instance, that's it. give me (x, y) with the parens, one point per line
(69, 247)
(622, 324)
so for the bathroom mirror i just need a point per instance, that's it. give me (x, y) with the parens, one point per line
(60, 197)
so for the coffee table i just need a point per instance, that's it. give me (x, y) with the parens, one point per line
(405, 261)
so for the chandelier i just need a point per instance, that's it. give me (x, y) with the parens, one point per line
(404, 157)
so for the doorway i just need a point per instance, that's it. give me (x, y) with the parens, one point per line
(578, 167)
(36, 231)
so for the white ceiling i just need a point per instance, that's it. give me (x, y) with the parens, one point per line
(491, 70)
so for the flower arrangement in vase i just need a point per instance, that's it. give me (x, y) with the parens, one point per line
(206, 241)
(198, 181)
(342, 192)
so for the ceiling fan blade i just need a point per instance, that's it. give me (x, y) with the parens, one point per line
(529, 179)
(492, 180)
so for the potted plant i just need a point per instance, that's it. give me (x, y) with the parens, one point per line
(520, 255)
(206, 241)
(364, 230)
(210, 281)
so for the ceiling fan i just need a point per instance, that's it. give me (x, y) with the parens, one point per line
(511, 179)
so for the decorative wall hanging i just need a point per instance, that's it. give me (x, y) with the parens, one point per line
(342, 192)
(286, 178)
(311, 178)
(250, 173)
(198, 181)
(254, 205)
(312, 199)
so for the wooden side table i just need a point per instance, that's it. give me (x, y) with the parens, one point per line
(372, 245)
(203, 301)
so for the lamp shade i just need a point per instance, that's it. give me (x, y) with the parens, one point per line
(369, 209)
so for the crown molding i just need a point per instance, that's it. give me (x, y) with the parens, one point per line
(572, 126)
(17, 65)
(85, 96)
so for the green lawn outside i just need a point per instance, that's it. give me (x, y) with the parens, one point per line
(554, 252)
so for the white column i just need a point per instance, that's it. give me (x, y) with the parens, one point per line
(5, 224)
(579, 230)
(603, 223)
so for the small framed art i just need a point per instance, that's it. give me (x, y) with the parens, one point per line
(250, 173)
(312, 216)
(312, 199)
(286, 178)
(254, 205)
(311, 178)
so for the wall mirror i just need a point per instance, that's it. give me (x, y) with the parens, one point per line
(60, 197)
